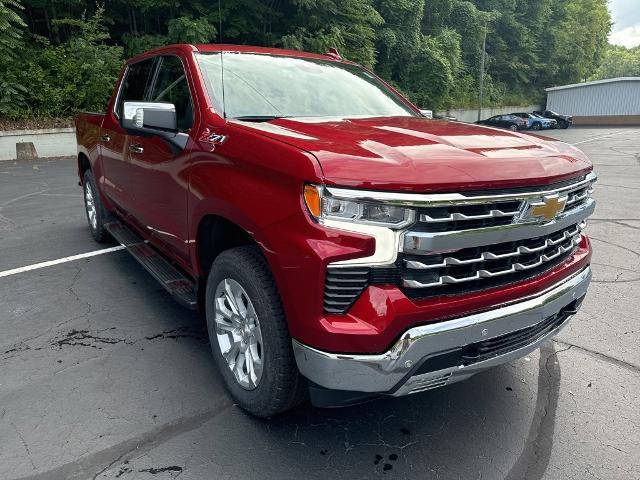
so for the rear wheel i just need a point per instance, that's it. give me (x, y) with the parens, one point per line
(97, 215)
(536, 126)
(249, 336)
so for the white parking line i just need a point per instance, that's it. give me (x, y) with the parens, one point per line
(50, 263)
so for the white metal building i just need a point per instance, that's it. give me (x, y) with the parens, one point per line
(610, 101)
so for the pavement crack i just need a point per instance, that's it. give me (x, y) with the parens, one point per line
(100, 461)
(175, 333)
(82, 338)
(157, 470)
(602, 356)
(25, 445)
(534, 459)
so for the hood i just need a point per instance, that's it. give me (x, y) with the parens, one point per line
(419, 155)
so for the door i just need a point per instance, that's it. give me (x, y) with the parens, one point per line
(114, 139)
(158, 170)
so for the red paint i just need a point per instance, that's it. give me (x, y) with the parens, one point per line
(255, 178)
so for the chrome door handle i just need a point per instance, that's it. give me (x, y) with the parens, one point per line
(136, 149)
(105, 138)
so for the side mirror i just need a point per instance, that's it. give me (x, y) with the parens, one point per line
(146, 116)
(153, 118)
(426, 113)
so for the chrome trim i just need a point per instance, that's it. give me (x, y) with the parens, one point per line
(422, 243)
(448, 376)
(447, 199)
(461, 216)
(516, 267)
(447, 261)
(387, 243)
(382, 372)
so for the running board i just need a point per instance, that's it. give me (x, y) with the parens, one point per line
(176, 283)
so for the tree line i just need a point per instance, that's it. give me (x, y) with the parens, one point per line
(61, 56)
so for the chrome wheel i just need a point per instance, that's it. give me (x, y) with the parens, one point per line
(238, 333)
(90, 207)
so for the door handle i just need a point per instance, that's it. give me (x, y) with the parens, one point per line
(136, 149)
(105, 138)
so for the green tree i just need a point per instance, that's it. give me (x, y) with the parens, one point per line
(428, 49)
(577, 40)
(619, 61)
(78, 74)
(348, 25)
(11, 45)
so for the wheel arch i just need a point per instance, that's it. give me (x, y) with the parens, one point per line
(214, 235)
(84, 164)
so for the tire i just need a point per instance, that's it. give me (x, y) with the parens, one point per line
(536, 126)
(278, 385)
(563, 125)
(97, 215)
(513, 128)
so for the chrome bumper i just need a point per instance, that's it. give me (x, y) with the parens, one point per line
(401, 370)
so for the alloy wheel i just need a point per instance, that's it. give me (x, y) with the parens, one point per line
(238, 333)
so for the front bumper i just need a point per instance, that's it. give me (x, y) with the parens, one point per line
(434, 355)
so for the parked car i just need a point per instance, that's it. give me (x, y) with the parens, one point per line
(564, 121)
(554, 122)
(535, 122)
(510, 121)
(339, 244)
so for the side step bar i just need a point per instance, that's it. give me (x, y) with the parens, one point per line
(181, 287)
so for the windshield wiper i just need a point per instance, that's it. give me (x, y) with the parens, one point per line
(259, 118)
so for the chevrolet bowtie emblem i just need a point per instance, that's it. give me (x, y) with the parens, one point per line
(549, 208)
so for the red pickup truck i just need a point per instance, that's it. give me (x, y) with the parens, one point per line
(339, 244)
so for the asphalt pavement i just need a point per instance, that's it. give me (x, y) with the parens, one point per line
(104, 376)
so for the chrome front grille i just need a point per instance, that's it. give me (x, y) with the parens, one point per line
(481, 212)
(463, 217)
(478, 264)
(465, 242)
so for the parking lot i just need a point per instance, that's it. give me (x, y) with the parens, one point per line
(104, 376)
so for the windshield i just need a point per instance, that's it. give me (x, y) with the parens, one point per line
(261, 87)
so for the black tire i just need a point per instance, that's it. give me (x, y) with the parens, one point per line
(536, 126)
(563, 125)
(281, 386)
(102, 216)
(513, 127)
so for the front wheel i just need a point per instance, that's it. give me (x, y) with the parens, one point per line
(249, 336)
(564, 125)
(513, 128)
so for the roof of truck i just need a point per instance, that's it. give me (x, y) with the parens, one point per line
(214, 47)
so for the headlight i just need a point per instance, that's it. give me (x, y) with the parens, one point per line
(325, 206)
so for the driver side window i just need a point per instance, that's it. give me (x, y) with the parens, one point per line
(171, 86)
(136, 83)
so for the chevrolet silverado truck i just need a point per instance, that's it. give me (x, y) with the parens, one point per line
(339, 244)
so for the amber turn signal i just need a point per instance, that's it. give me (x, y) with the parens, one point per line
(312, 199)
